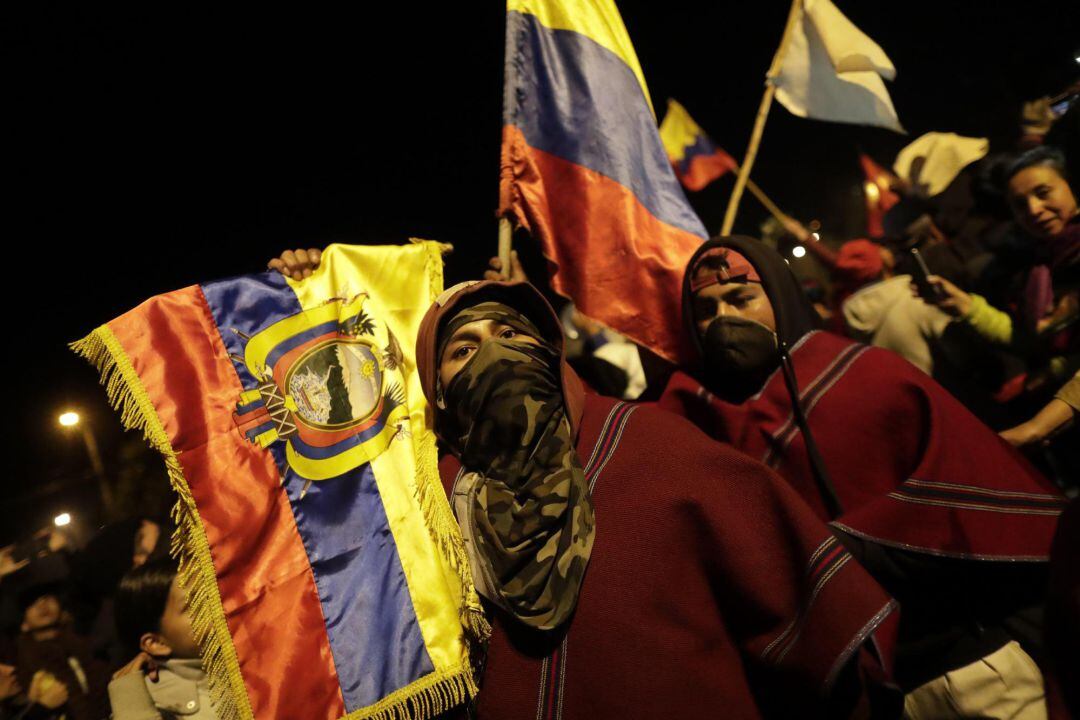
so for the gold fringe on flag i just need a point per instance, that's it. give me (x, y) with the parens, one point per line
(438, 515)
(189, 544)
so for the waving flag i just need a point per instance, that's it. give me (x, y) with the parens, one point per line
(324, 569)
(696, 158)
(583, 168)
(878, 193)
(833, 71)
(930, 163)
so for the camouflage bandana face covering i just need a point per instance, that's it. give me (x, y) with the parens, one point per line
(523, 504)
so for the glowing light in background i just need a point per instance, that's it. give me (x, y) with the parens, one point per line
(69, 419)
(798, 251)
(62, 519)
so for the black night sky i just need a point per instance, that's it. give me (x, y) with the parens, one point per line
(151, 148)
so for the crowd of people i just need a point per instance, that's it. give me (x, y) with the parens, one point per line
(844, 508)
(97, 630)
(950, 344)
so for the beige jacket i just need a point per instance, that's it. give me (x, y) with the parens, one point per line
(886, 315)
(181, 693)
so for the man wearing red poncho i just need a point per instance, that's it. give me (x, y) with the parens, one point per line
(711, 589)
(949, 519)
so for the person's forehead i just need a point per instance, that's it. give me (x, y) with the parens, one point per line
(717, 290)
(1031, 177)
(473, 327)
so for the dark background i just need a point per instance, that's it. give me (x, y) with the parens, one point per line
(153, 148)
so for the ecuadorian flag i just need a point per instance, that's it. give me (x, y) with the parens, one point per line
(325, 573)
(696, 158)
(583, 168)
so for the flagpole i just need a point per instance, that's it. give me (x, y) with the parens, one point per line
(506, 234)
(759, 122)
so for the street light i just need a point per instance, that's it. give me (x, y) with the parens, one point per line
(62, 519)
(70, 419)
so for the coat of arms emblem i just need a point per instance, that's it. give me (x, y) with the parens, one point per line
(329, 386)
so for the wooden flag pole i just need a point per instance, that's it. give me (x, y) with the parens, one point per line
(506, 235)
(759, 122)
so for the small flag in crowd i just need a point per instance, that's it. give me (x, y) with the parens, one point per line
(325, 572)
(879, 194)
(696, 158)
(584, 171)
(832, 71)
(933, 161)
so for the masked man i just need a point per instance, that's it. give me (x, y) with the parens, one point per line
(634, 567)
(949, 519)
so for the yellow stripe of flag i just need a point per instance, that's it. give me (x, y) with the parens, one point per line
(678, 131)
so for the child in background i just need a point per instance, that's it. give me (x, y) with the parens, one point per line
(165, 680)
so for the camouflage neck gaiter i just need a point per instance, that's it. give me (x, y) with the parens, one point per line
(523, 506)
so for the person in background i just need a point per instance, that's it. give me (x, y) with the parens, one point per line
(1043, 325)
(882, 311)
(54, 664)
(12, 700)
(948, 518)
(45, 699)
(165, 679)
(152, 539)
(9, 690)
(1058, 413)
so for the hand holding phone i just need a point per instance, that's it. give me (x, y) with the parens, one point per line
(930, 291)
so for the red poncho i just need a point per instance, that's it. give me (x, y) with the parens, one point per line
(712, 589)
(912, 467)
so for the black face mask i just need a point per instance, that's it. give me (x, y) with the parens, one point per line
(739, 356)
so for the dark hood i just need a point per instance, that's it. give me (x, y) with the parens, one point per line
(521, 296)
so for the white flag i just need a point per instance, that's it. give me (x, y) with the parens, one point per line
(934, 160)
(832, 71)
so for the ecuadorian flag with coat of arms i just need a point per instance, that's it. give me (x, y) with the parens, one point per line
(325, 572)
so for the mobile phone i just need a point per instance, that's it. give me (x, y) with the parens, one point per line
(928, 290)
